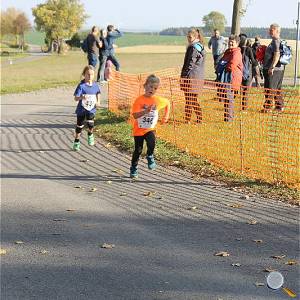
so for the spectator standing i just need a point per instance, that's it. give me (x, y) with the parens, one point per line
(231, 75)
(93, 46)
(112, 35)
(273, 72)
(103, 52)
(192, 74)
(218, 45)
(250, 67)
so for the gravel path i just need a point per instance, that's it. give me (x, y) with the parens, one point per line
(58, 207)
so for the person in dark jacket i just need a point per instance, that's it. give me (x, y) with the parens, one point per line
(273, 72)
(103, 53)
(93, 46)
(257, 44)
(249, 62)
(192, 74)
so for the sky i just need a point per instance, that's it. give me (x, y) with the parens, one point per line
(160, 14)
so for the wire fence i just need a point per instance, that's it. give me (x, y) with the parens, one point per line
(251, 131)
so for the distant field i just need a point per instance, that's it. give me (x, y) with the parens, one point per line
(35, 38)
(132, 39)
(144, 57)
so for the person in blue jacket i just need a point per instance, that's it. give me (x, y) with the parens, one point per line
(108, 51)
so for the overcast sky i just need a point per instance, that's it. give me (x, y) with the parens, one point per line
(161, 14)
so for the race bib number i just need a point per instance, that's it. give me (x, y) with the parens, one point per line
(89, 102)
(149, 120)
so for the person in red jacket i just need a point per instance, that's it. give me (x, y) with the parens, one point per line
(232, 59)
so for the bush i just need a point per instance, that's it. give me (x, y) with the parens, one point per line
(74, 42)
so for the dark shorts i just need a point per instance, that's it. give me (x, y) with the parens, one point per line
(88, 116)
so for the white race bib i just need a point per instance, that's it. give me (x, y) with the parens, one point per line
(89, 102)
(149, 120)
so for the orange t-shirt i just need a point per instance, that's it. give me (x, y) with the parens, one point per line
(147, 122)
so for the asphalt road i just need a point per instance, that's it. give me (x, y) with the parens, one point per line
(58, 207)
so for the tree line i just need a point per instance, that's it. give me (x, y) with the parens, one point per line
(286, 33)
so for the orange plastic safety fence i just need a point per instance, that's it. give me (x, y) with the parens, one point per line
(252, 130)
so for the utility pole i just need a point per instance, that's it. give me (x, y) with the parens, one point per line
(297, 42)
(236, 17)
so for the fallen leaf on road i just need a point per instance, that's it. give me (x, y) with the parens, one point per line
(291, 262)
(258, 241)
(108, 145)
(109, 182)
(44, 251)
(291, 293)
(252, 222)
(236, 265)
(78, 187)
(269, 270)
(148, 194)
(245, 197)
(118, 171)
(235, 205)
(259, 284)
(19, 242)
(93, 189)
(192, 208)
(278, 256)
(108, 246)
(2, 251)
(222, 253)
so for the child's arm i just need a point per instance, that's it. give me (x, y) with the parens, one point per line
(165, 118)
(78, 98)
(139, 114)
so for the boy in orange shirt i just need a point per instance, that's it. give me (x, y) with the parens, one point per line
(145, 113)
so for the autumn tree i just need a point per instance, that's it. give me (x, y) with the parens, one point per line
(20, 25)
(59, 19)
(214, 20)
(14, 22)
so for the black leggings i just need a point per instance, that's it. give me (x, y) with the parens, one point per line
(149, 137)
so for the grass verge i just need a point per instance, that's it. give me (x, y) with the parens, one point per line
(116, 130)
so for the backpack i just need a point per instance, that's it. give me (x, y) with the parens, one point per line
(199, 48)
(260, 53)
(84, 45)
(222, 75)
(285, 53)
(246, 65)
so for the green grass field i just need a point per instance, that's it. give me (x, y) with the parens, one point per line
(57, 70)
(35, 38)
(132, 39)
